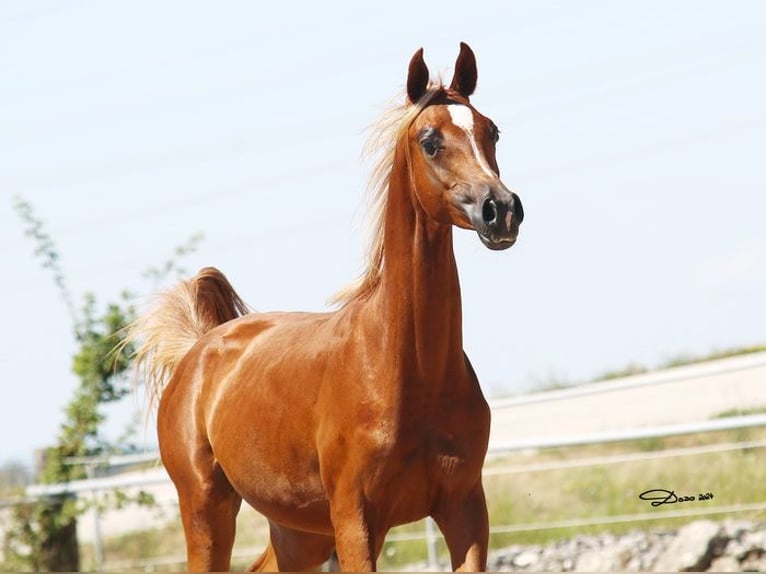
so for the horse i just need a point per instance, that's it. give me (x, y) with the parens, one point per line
(337, 426)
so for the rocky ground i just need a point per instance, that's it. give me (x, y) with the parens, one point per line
(731, 546)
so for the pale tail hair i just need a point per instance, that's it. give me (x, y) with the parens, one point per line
(176, 321)
(379, 150)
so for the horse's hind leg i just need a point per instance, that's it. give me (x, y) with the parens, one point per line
(293, 551)
(209, 508)
(267, 562)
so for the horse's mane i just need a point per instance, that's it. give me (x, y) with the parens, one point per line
(379, 150)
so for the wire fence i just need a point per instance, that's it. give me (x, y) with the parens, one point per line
(496, 468)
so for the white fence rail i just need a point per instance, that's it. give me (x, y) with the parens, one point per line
(728, 423)
(159, 476)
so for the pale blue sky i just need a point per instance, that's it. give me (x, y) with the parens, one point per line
(633, 131)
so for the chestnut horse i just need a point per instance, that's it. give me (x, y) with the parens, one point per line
(338, 426)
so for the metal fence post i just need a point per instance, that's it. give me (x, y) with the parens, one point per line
(433, 556)
(98, 543)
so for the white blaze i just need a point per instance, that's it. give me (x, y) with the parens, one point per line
(462, 117)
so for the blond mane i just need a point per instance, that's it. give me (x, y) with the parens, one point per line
(379, 150)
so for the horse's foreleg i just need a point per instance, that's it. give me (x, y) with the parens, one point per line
(463, 521)
(209, 508)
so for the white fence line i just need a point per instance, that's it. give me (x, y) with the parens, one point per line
(159, 476)
(623, 518)
(623, 458)
(728, 423)
(599, 520)
(671, 375)
(112, 460)
(148, 478)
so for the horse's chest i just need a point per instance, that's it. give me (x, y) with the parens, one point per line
(453, 443)
(439, 457)
(416, 473)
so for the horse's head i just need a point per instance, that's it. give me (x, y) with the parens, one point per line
(452, 155)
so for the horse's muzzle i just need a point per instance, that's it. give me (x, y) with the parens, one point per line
(497, 219)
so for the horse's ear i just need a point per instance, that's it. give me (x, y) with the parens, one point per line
(417, 77)
(464, 80)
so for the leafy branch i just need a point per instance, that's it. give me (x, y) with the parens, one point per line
(45, 249)
(44, 536)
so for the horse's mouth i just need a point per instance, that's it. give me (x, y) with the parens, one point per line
(497, 243)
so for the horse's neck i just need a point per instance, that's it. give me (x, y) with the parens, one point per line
(418, 300)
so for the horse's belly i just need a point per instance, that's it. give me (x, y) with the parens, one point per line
(271, 464)
(261, 429)
(292, 495)
(307, 514)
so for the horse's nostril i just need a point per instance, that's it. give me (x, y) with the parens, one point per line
(518, 209)
(489, 211)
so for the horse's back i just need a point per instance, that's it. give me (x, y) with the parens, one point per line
(251, 362)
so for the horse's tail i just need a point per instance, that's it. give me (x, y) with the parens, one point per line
(178, 319)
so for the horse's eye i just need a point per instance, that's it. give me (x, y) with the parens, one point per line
(496, 135)
(430, 146)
